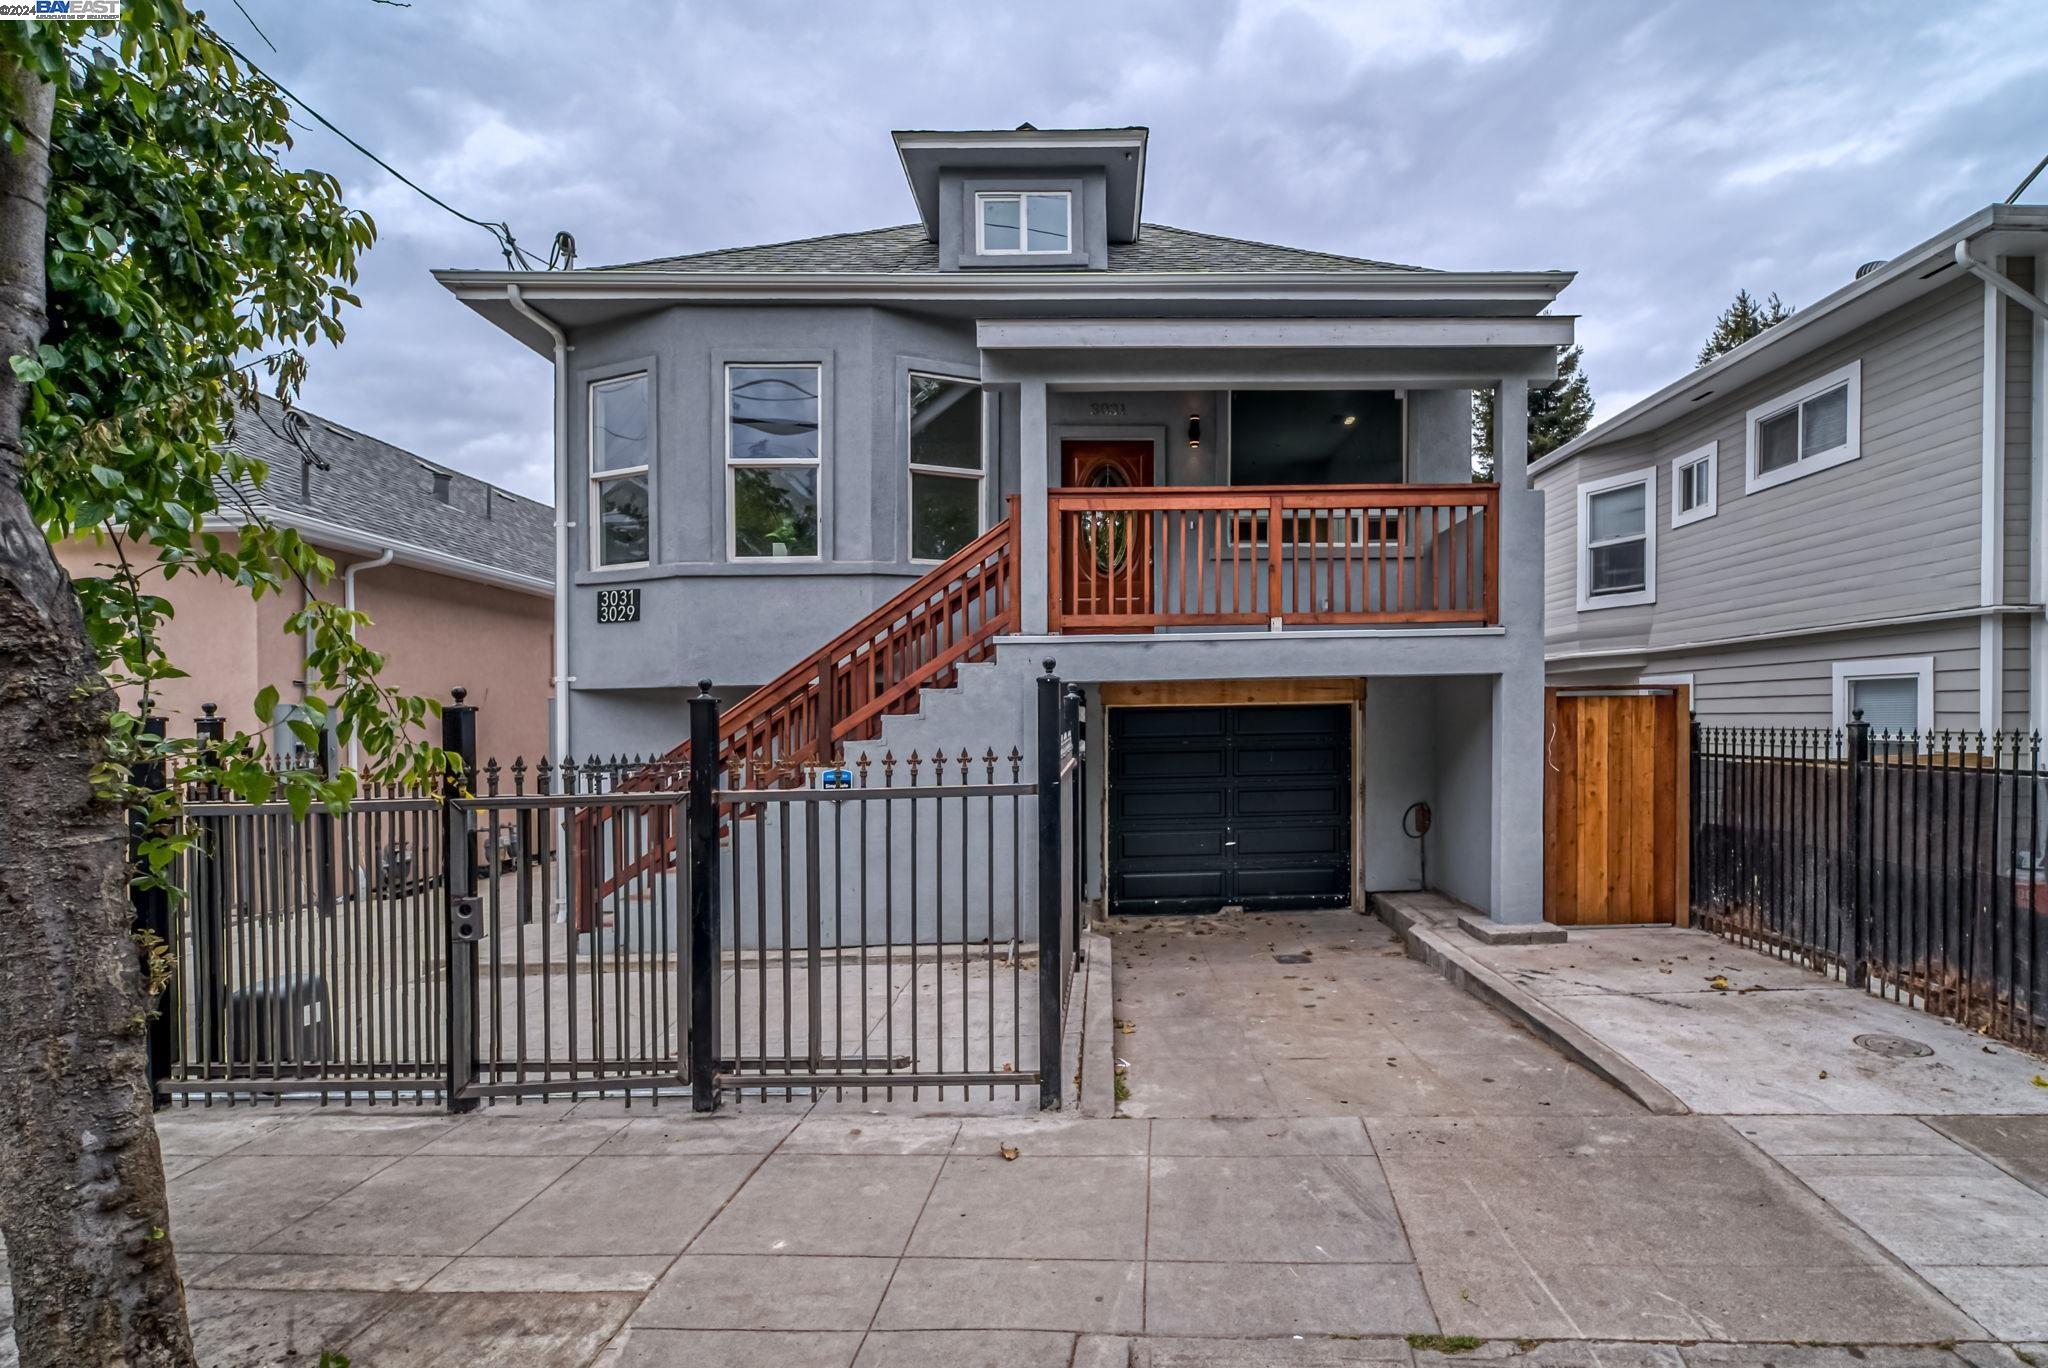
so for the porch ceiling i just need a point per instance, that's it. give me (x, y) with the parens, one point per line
(1271, 353)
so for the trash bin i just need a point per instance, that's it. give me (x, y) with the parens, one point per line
(281, 1021)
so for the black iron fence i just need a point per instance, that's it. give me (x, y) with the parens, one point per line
(890, 925)
(1913, 864)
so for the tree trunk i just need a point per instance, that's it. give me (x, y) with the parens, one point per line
(82, 1205)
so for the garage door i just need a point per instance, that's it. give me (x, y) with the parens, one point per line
(1214, 806)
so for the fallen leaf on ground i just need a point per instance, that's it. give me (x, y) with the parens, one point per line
(1009, 1152)
(2040, 1082)
(1719, 983)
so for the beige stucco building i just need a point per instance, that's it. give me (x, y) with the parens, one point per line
(454, 573)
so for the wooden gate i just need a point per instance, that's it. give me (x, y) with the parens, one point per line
(1615, 799)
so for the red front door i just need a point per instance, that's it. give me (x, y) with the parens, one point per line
(1108, 556)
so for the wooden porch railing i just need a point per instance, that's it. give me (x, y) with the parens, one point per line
(839, 693)
(1138, 559)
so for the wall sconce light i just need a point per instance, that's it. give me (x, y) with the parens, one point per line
(1194, 431)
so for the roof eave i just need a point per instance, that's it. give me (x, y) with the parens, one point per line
(324, 533)
(1804, 327)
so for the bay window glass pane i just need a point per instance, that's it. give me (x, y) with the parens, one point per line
(1827, 422)
(999, 225)
(618, 424)
(774, 413)
(1618, 568)
(945, 514)
(622, 520)
(1046, 223)
(1777, 442)
(1616, 513)
(1888, 705)
(775, 510)
(945, 423)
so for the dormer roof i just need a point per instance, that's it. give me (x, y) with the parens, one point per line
(1119, 153)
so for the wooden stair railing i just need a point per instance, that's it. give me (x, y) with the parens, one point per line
(840, 693)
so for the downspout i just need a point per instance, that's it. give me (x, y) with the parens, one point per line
(348, 602)
(562, 525)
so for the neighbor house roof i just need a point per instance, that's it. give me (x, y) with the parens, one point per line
(366, 494)
(1994, 231)
(905, 250)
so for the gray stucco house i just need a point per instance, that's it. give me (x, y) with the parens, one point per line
(1225, 484)
(1843, 514)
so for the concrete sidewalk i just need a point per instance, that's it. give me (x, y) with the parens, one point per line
(1937, 1148)
(1341, 1160)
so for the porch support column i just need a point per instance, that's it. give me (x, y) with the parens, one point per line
(1516, 891)
(1032, 458)
(1511, 432)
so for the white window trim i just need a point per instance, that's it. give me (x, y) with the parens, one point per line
(1918, 668)
(817, 463)
(1023, 247)
(1648, 593)
(1711, 454)
(1852, 376)
(979, 476)
(600, 478)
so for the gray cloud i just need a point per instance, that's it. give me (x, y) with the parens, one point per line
(1668, 153)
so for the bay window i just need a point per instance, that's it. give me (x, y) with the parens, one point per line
(947, 465)
(621, 455)
(773, 426)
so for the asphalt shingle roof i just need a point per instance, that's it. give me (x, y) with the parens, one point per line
(387, 492)
(904, 250)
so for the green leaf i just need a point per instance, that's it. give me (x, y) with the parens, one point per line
(266, 702)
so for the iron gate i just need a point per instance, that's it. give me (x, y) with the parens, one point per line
(898, 924)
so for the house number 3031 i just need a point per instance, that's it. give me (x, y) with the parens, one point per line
(1106, 410)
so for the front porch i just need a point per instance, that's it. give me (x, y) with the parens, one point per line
(1303, 475)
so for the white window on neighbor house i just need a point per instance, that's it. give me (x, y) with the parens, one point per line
(947, 466)
(1692, 486)
(1895, 695)
(773, 432)
(1618, 541)
(1024, 223)
(1814, 428)
(621, 456)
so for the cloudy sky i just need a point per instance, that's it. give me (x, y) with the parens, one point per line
(1668, 153)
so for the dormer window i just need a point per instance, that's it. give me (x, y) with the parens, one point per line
(1030, 223)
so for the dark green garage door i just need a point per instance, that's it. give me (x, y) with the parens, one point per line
(1214, 806)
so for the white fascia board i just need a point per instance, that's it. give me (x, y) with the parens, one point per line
(327, 534)
(1808, 328)
(1522, 287)
(1293, 334)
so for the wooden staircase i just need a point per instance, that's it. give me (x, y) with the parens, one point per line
(876, 668)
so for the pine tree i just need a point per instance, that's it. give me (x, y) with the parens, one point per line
(1739, 322)
(1558, 412)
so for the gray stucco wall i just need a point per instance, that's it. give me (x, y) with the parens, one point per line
(1399, 769)
(701, 613)
(1461, 840)
(1088, 223)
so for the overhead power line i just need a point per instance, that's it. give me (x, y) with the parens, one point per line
(517, 257)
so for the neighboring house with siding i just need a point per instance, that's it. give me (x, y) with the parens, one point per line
(1844, 513)
(453, 572)
(868, 482)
